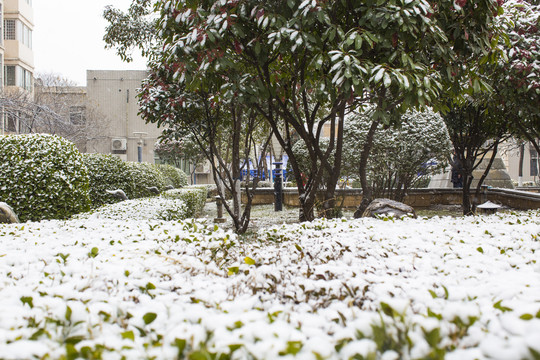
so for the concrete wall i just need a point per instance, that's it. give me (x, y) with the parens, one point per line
(114, 95)
(417, 198)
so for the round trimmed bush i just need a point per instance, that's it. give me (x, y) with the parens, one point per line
(42, 177)
(105, 172)
(142, 176)
(193, 196)
(173, 176)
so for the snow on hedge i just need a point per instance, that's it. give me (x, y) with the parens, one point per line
(142, 209)
(454, 288)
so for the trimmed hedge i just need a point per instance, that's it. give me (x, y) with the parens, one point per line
(105, 172)
(156, 208)
(173, 176)
(194, 198)
(211, 189)
(141, 176)
(42, 177)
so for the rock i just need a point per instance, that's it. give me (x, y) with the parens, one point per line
(153, 189)
(388, 207)
(7, 215)
(168, 187)
(119, 193)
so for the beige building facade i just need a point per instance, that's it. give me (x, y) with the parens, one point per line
(16, 54)
(114, 94)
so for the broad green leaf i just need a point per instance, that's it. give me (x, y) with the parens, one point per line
(27, 300)
(128, 335)
(149, 317)
(379, 75)
(498, 306)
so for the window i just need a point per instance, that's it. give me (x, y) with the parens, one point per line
(10, 75)
(534, 162)
(23, 125)
(1, 67)
(10, 123)
(17, 30)
(76, 115)
(1, 23)
(18, 76)
(9, 29)
(27, 80)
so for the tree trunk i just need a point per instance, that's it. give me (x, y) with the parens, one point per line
(520, 167)
(466, 193)
(367, 191)
(484, 175)
(329, 206)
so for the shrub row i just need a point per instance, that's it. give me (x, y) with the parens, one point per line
(173, 176)
(158, 208)
(211, 189)
(45, 177)
(108, 172)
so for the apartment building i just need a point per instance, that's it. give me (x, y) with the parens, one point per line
(114, 94)
(510, 153)
(16, 54)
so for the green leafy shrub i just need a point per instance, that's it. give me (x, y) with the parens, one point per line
(193, 196)
(173, 176)
(105, 172)
(43, 177)
(211, 189)
(142, 176)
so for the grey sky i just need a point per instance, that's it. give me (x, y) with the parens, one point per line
(68, 35)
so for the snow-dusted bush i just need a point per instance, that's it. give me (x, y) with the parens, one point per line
(173, 175)
(301, 153)
(106, 172)
(211, 189)
(264, 184)
(142, 176)
(42, 177)
(194, 197)
(401, 156)
(156, 208)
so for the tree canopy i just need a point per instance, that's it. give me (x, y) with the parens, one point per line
(304, 64)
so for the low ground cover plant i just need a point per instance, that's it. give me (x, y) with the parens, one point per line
(443, 288)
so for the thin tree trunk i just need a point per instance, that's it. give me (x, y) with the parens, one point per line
(329, 205)
(484, 175)
(520, 167)
(466, 193)
(367, 190)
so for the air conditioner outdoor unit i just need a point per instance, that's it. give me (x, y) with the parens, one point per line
(119, 144)
(204, 168)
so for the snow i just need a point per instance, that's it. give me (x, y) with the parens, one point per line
(142, 288)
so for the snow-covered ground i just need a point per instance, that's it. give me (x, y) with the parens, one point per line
(454, 288)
